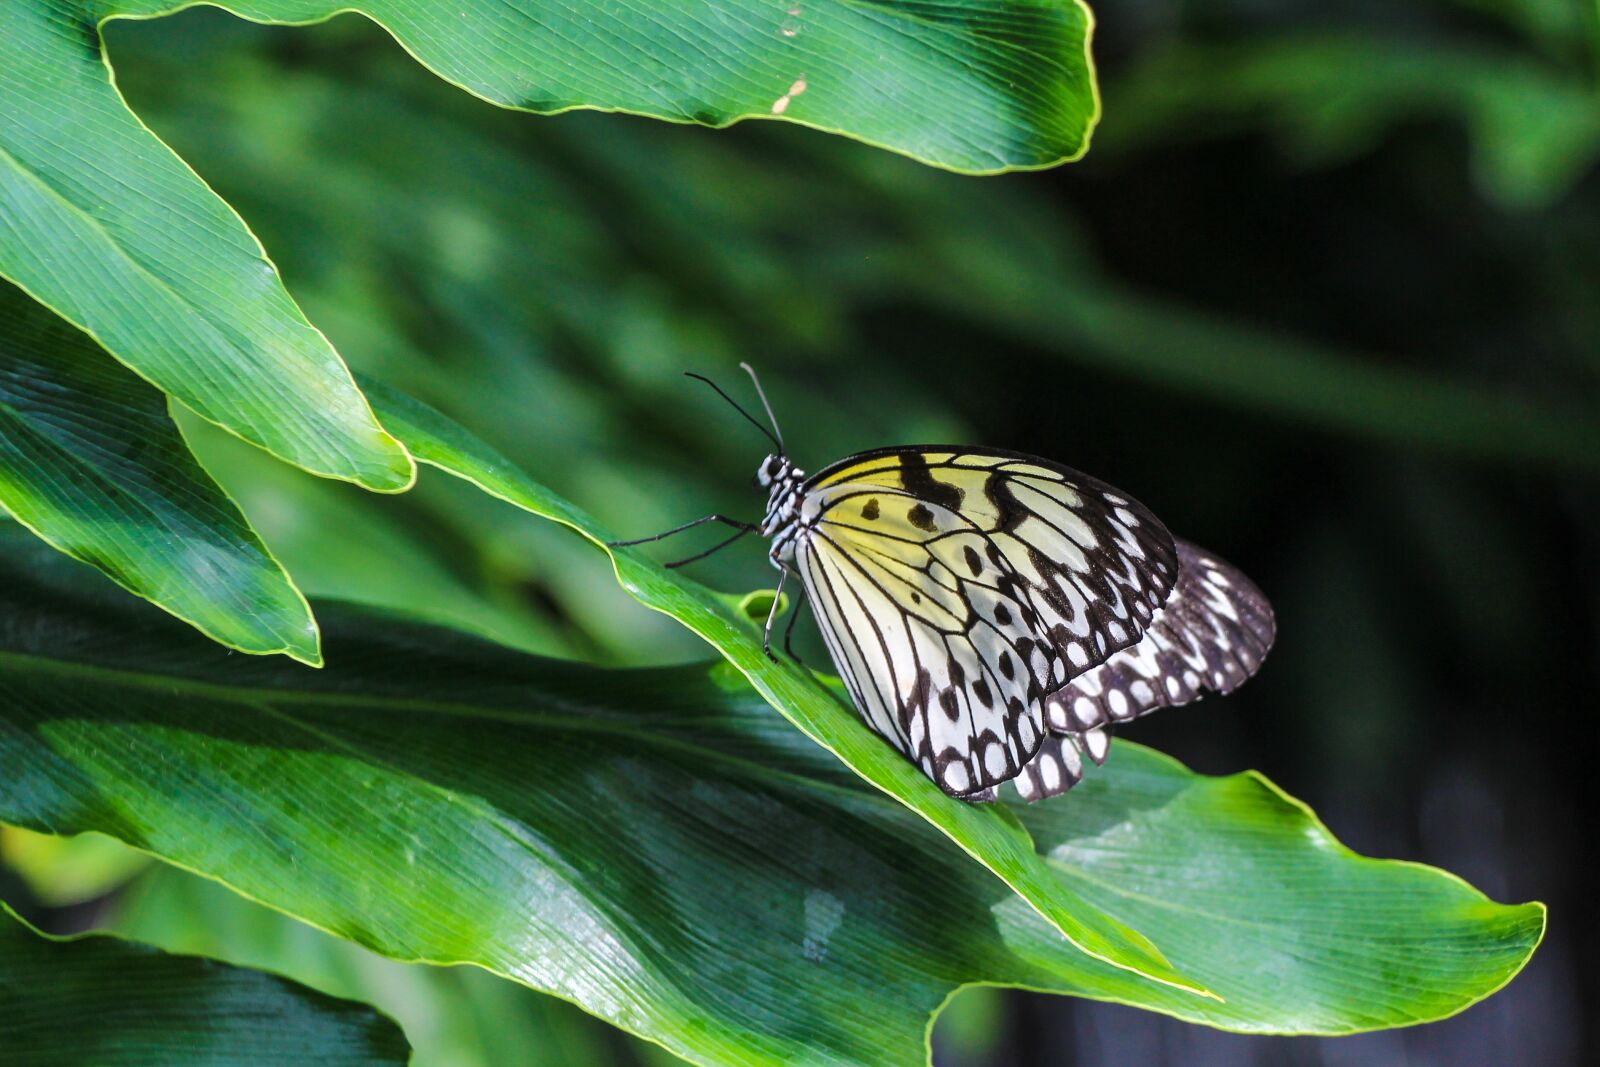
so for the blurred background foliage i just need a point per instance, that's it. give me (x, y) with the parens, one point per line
(1322, 294)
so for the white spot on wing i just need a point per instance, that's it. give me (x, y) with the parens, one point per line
(1050, 774)
(994, 759)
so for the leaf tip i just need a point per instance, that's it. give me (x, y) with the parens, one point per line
(398, 474)
(310, 657)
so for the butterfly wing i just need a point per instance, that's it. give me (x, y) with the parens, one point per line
(1211, 635)
(924, 658)
(957, 589)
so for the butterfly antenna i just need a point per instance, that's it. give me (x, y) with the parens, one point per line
(762, 393)
(748, 417)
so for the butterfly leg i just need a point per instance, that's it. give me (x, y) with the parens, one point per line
(745, 527)
(772, 614)
(718, 547)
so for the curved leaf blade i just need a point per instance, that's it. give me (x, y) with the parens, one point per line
(978, 86)
(987, 832)
(98, 999)
(1245, 909)
(658, 847)
(91, 462)
(108, 227)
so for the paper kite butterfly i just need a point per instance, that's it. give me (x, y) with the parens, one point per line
(994, 615)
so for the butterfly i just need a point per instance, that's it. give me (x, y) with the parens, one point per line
(994, 615)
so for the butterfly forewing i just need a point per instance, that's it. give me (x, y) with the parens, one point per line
(952, 691)
(957, 590)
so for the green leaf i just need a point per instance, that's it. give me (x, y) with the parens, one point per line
(658, 847)
(104, 224)
(99, 1000)
(988, 832)
(979, 86)
(91, 462)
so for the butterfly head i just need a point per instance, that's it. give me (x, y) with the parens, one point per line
(773, 470)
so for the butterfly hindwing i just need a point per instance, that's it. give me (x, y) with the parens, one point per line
(1211, 636)
(1059, 763)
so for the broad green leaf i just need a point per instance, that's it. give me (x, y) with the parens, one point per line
(102, 1001)
(720, 240)
(971, 85)
(660, 848)
(451, 1016)
(91, 462)
(104, 224)
(988, 832)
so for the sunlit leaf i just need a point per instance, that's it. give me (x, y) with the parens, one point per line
(972, 85)
(455, 1016)
(103, 223)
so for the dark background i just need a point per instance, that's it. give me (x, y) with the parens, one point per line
(1323, 295)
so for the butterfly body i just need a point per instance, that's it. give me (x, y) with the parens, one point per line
(993, 614)
(785, 485)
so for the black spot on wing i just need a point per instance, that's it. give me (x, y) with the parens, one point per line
(920, 517)
(916, 702)
(869, 510)
(1012, 512)
(921, 483)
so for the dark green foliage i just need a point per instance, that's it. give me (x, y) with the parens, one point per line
(99, 1000)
